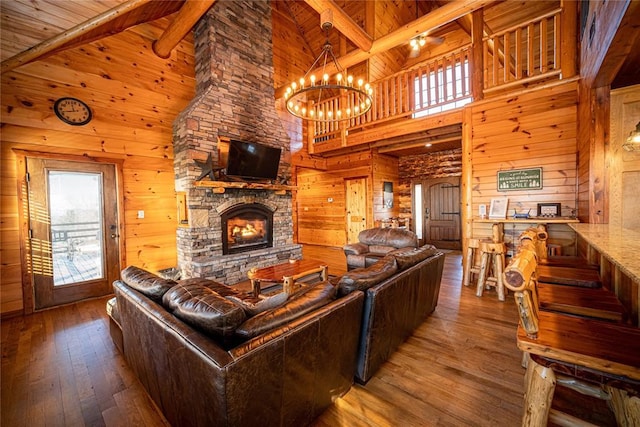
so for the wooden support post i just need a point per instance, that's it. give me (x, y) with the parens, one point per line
(538, 395)
(626, 408)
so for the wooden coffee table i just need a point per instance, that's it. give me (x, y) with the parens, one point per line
(287, 274)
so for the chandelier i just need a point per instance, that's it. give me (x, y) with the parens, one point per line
(328, 99)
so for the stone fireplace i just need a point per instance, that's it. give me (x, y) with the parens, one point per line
(234, 99)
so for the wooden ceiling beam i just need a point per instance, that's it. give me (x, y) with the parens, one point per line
(190, 12)
(343, 23)
(407, 146)
(48, 46)
(430, 22)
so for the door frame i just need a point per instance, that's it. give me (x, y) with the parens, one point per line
(28, 302)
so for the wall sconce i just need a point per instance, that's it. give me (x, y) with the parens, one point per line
(633, 140)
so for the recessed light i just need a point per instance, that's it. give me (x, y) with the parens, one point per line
(428, 144)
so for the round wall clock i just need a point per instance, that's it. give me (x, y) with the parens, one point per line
(72, 111)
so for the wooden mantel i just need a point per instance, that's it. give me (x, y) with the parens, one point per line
(221, 186)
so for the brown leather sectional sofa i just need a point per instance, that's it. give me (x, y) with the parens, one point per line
(205, 363)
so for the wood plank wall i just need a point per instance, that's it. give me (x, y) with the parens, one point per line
(526, 130)
(135, 97)
(320, 222)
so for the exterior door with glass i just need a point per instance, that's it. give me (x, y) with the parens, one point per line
(73, 230)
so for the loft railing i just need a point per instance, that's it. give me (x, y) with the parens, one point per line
(410, 93)
(523, 53)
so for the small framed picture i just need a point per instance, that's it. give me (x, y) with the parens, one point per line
(498, 208)
(549, 210)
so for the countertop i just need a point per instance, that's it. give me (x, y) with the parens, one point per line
(619, 245)
(532, 220)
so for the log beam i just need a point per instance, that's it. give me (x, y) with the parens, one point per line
(190, 12)
(51, 45)
(430, 22)
(343, 23)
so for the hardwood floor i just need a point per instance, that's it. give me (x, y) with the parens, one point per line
(461, 367)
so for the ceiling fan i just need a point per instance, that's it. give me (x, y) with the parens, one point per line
(421, 40)
(418, 42)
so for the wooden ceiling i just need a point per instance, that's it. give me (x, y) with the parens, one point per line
(34, 29)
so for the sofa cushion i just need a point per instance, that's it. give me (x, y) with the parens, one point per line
(407, 258)
(364, 278)
(380, 249)
(396, 237)
(145, 282)
(204, 309)
(252, 305)
(300, 304)
(219, 288)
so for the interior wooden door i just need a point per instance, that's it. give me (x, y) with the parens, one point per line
(442, 212)
(73, 230)
(356, 206)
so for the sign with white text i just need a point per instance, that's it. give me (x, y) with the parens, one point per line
(520, 179)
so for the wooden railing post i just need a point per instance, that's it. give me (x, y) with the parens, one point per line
(568, 38)
(477, 62)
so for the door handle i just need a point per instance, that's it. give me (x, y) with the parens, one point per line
(113, 229)
(426, 213)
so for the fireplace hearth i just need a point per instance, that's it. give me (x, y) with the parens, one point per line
(246, 227)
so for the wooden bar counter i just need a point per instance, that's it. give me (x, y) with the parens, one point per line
(617, 251)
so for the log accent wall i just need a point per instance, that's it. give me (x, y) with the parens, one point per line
(526, 130)
(134, 97)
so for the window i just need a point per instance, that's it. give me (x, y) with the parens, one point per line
(442, 89)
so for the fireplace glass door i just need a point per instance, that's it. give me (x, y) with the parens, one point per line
(246, 227)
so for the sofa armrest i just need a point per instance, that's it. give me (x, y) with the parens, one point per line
(356, 249)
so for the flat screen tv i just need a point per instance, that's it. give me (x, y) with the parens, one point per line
(251, 160)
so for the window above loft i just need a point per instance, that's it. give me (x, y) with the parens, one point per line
(442, 89)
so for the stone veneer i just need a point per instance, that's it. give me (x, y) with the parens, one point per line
(235, 99)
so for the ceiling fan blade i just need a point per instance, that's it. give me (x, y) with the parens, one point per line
(434, 40)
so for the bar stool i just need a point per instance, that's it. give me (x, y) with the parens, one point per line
(470, 265)
(492, 261)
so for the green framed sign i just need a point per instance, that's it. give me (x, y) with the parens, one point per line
(520, 179)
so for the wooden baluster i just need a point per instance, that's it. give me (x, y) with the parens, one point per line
(507, 57)
(518, 59)
(543, 46)
(530, 49)
(496, 61)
